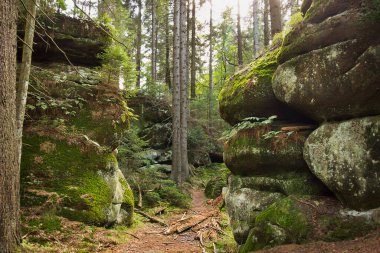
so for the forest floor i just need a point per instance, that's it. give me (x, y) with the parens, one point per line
(148, 237)
(151, 237)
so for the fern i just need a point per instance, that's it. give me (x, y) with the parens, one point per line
(247, 123)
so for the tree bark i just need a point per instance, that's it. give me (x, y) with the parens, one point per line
(176, 103)
(210, 72)
(180, 170)
(266, 23)
(193, 53)
(9, 156)
(23, 82)
(138, 44)
(275, 16)
(154, 45)
(239, 38)
(167, 49)
(256, 46)
(184, 92)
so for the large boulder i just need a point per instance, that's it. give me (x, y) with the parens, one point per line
(264, 148)
(81, 40)
(330, 63)
(297, 219)
(345, 157)
(86, 179)
(249, 93)
(243, 204)
(69, 143)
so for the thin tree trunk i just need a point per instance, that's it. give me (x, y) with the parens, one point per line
(167, 50)
(184, 92)
(256, 46)
(9, 156)
(210, 72)
(138, 44)
(266, 23)
(23, 82)
(176, 104)
(193, 53)
(239, 38)
(275, 16)
(154, 45)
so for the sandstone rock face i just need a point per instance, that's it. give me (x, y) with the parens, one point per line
(264, 149)
(81, 40)
(330, 63)
(243, 204)
(249, 93)
(69, 147)
(345, 157)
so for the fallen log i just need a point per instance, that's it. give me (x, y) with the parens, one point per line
(185, 224)
(151, 218)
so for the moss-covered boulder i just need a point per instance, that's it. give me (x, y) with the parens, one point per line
(330, 63)
(298, 220)
(214, 187)
(86, 179)
(249, 93)
(287, 183)
(74, 124)
(345, 157)
(243, 204)
(265, 149)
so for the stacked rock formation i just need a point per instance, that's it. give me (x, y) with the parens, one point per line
(320, 156)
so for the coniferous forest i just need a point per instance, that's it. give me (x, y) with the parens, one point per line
(190, 126)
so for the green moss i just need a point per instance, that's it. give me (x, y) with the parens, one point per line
(314, 8)
(285, 214)
(247, 85)
(341, 228)
(282, 222)
(48, 223)
(73, 175)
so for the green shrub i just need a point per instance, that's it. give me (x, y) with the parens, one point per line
(174, 196)
(151, 199)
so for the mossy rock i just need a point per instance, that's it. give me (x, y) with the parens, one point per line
(287, 183)
(329, 63)
(249, 93)
(344, 156)
(301, 220)
(243, 205)
(265, 149)
(344, 85)
(282, 222)
(89, 183)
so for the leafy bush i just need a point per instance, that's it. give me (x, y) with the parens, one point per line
(174, 196)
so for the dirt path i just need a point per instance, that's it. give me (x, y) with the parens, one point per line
(151, 237)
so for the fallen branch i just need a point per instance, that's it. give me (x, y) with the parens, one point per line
(160, 210)
(298, 128)
(151, 218)
(183, 225)
(135, 236)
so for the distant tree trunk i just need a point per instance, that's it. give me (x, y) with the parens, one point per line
(176, 104)
(180, 170)
(210, 72)
(184, 92)
(256, 46)
(154, 44)
(23, 82)
(9, 156)
(239, 38)
(167, 50)
(266, 23)
(138, 44)
(193, 53)
(275, 16)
